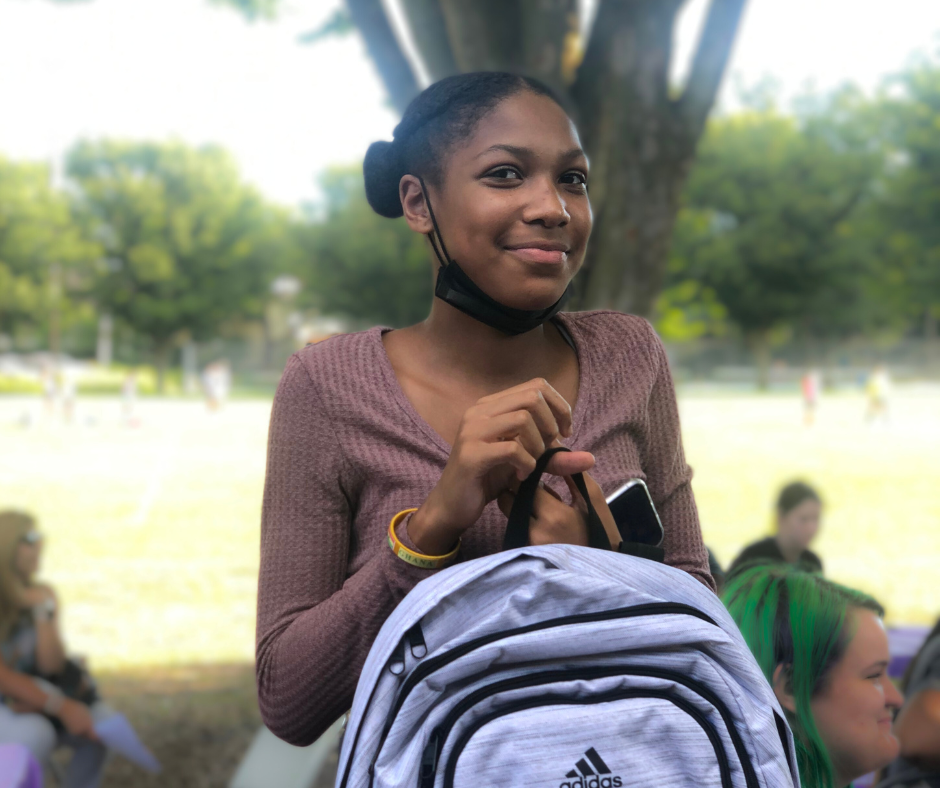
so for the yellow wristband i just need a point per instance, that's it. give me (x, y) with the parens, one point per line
(410, 556)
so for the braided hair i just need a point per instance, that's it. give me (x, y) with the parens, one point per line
(442, 115)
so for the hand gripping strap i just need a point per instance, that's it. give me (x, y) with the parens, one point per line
(517, 530)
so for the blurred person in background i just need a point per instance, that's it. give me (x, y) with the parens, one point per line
(810, 385)
(34, 712)
(217, 382)
(392, 454)
(918, 723)
(797, 518)
(878, 389)
(69, 388)
(824, 650)
(47, 378)
(129, 397)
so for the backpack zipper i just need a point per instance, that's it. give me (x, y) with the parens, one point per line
(435, 663)
(720, 754)
(441, 732)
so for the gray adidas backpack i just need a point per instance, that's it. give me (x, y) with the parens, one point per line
(563, 667)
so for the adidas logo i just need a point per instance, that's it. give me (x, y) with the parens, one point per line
(591, 772)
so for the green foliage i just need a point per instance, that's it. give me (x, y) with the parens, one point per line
(252, 9)
(340, 23)
(360, 265)
(768, 224)
(910, 207)
(44, 249)
(189, 246)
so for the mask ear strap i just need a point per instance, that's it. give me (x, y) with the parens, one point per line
(442, 257)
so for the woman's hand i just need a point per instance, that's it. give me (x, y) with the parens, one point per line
(555, 522)
(498, 442)
(77, 719)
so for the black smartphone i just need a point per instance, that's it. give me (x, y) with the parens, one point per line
(635, 515)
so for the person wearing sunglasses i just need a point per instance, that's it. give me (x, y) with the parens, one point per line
(33, 711)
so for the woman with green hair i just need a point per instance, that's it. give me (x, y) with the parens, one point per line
(824, 650)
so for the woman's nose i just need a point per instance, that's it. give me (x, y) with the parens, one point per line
(548, 207)
(893, 696)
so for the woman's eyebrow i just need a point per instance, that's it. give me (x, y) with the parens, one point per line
(523, 153)
(880, 664)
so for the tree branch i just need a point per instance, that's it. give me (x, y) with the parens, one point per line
(383, 47)
(426, 21)
(708, 67)
(484, 34)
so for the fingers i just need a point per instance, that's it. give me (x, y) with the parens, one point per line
(507, 498)
(600, 506)
(517, 425)
(551, 411)
(566, 463)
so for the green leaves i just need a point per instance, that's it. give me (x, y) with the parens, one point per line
(192, 246)
(361, 265)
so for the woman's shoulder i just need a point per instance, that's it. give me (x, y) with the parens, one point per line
(617, 335)
(339, 369)
(339, 358)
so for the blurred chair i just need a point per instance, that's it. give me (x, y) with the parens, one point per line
(270, 761)
(18, 767)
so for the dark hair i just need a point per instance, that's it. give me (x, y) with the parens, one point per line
(909, 673)
(798, 620)
(444, 113)
(793, 495)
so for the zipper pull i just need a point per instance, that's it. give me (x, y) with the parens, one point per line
(429, 760)
(415, 637)
(396, 663)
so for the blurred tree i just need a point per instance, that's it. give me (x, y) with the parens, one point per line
(189, 246)
(359, 265)
(768, 229)
(641, 134)
(910, 204)
(44, 252)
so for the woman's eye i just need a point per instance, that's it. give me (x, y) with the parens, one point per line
(505, 174)
(576, 178)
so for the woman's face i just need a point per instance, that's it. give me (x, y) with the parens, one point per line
(854, 711)
(800, 525)
(26, 558)
(513, 205)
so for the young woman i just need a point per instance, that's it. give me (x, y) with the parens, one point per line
(918, 724)
(31, 646)
(798, 515)
(417, 438)
(824, 650)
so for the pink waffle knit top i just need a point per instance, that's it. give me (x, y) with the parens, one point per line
(347, 451)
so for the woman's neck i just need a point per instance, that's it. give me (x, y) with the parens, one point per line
(463, 347)
(791, 553)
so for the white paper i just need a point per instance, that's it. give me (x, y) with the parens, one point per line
(119, 735)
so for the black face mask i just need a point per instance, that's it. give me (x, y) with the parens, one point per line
(454, 287)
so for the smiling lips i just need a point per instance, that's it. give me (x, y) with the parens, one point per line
(541, 251)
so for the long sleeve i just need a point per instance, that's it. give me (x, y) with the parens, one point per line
(668, 474)
(315, 626)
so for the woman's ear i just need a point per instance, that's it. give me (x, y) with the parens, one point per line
(783, 688)
(414, 205)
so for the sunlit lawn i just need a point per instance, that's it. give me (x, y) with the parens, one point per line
(153, 530)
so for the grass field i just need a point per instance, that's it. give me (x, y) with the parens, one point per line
(153, 536)
(153, 530)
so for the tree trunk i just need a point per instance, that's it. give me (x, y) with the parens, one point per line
(161, 354)
(759, 343)
(931, 338)
(641, 139)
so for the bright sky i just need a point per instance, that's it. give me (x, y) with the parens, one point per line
(153, 69)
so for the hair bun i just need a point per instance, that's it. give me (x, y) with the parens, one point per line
(383, 170)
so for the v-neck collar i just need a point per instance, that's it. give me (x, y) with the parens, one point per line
(397, 393)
